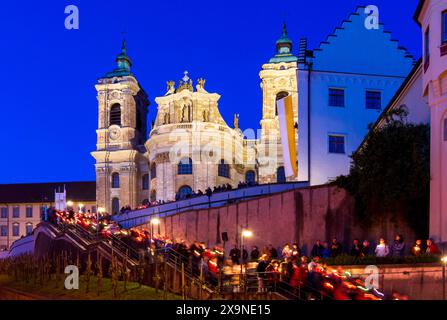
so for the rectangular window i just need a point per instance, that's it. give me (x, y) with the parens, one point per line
(336, 97)
(15, 230)
(4, 231)
(16, 212)
(4, 212)
(373, 100)
(29, 212)
(444, 27)
(445, 129)
(29, 229)
(336, 144)
(426, 49)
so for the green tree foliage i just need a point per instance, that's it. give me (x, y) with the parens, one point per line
(391, 174)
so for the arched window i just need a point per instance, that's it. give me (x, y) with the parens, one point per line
(115, 114)
(115, 180)
(250, 177)
(185, 166)
(223, 169)
(115, 206)
(279, 96)
(153, 170)
(184, 192)
(280, 175)
(145, 182)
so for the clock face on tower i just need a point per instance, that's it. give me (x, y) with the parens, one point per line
(114, 132)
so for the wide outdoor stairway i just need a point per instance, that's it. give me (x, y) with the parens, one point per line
(166, 269)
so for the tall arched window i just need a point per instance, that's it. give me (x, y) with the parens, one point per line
(250, 177)
(115, 206)
(145, 182)
(153, 170)
(185, 166)
(280, 175)
(184, 192)
(115, 114)
(279, 96)
(115, 180)
(223, 169)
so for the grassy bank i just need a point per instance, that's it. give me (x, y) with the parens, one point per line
(55, 290)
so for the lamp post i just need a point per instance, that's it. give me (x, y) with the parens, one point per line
(100, 210)
(69, 204)
(244, 234)
(444, 262)
(153, 222)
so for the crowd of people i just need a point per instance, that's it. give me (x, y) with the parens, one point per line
(272, 266)
(334, 248)
(209, 192)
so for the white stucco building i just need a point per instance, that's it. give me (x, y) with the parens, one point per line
(343, 86)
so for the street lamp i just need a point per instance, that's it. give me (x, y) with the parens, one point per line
(100, 210)
(80, 207)
(69, 204)
(244, 234)
(153, 222)
(444, 262)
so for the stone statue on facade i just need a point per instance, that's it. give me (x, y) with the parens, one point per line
(200, 87)
(171, 87)
(236, 121)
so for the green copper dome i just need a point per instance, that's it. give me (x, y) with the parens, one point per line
(123, 64)
(284, 38)
(283, 49)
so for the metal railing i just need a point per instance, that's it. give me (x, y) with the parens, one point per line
(143, 216)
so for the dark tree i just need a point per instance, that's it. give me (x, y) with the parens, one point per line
(390, 174)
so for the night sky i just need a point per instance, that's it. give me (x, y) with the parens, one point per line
(48, 99)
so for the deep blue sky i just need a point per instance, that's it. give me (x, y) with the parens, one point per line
(48, 99)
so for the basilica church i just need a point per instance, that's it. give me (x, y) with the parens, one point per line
(335, 91)
(190, 146)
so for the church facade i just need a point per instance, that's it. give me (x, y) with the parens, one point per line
(190, 146)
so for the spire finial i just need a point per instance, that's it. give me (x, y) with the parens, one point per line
(123, 63)
(123, 46)
(284, 29)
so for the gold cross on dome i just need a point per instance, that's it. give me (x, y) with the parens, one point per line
(185, 77)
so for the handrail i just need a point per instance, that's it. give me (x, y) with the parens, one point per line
(208, 203)
(184, 208)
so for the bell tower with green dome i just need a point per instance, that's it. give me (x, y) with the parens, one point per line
(122, 131)
(278, 79)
